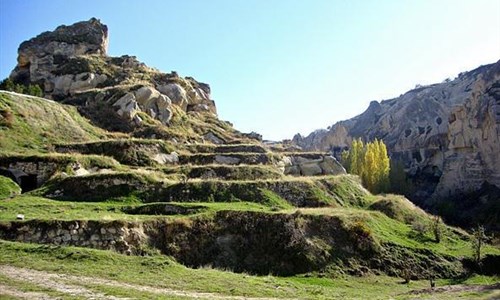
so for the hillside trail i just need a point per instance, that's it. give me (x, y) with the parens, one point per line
(72, 285)
(495, 288)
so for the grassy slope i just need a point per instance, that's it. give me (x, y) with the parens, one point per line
(8, 187)
(161, 271)
(36, 123)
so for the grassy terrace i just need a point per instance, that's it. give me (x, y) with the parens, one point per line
(38, 208)
(386, 230)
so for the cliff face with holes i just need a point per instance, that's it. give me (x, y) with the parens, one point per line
(447, 134)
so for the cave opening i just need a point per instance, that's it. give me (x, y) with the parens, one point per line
(27, 182)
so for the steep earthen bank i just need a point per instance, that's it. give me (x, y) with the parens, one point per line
(258, 243)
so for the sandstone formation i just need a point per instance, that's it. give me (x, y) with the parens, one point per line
(447, 134)
(71, 64)
(310, 165)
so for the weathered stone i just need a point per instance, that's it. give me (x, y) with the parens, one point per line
(226, 160)
(175, 93)
(39, 57)
(164, 158)
(311, 166)
(446, 134)
(127, 106)
(212, 138)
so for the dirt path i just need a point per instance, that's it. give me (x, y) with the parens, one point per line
(9, 291)
(457, 288)
(59, 282)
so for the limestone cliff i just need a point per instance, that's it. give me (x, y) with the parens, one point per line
(447, 134)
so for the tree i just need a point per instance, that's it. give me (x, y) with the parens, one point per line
(369, 166)
(7, 84)
(436, 228)
(35, 90)
(478, 240)
(384, 166)
(31, 89)
(371, 162)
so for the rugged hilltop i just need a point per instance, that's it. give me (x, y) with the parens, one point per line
(71, 65)
(135, 164)
(447, 135)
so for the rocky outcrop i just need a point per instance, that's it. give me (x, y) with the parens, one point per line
(447, 134)
(71, 65)
(42, 54)
(310, 165)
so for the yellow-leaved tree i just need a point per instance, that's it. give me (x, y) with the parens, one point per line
(371, 162)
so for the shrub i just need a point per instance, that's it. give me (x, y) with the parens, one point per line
(6, 117)
(436, 228)
(31, 89)
(420, 228)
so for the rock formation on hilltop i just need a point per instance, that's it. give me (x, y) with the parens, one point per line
(447, 135)
(71, 65)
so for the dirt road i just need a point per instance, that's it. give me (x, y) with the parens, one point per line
(72, 285)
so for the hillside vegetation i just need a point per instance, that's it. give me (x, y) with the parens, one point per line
(130, 186)
(240, 218)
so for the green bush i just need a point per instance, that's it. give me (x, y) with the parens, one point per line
(32, 89)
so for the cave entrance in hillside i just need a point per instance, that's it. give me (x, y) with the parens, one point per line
(27, 182)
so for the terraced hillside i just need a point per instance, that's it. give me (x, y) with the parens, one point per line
(130, 186)
(235, 207)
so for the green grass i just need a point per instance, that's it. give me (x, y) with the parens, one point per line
(37, 123)
(30, 287)
(8, 187)
(39, 208)
(454, 242)
(226, 172)
(162, 272)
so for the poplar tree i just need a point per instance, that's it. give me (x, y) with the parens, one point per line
(369, 161)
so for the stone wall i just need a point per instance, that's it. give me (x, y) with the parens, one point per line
(43, 170)
(115, 235)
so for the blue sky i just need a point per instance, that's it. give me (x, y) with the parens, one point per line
(282, 67)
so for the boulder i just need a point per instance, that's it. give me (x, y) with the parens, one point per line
(164, 158)
(226, 160)
(212, 138)
(298, 165)
(175, 93)
(127, 106)
(145, 99)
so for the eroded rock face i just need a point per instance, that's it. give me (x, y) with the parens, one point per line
(146, 99)
(71, 65)
(447, 134)
(40, 55)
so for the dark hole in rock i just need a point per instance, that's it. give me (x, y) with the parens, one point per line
(416, 155)
(439, 120)
(28, 182)
(407, 132)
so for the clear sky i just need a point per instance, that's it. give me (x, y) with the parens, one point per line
(281, 67)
